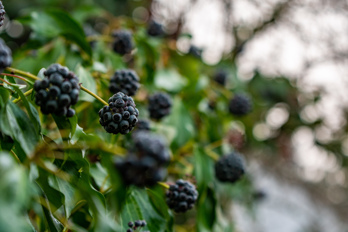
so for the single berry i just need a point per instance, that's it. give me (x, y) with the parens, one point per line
(229, 168)
(125, 81)
(143, 223)
(220, 77)
(195, 51)
(155, 29)
(2, 14)
(240, 105)
(137, 223)
(143, 125)
(123, 43)
(130, 224)
(129, 230)
(57, 91)
(181, 196)
(120, 116)
(160, 105)
(5, 55)
(146, 161)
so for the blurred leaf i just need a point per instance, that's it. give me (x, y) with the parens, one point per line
(88, 82)
(53, 23)
(169, 80)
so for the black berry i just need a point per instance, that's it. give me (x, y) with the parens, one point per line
(2, 14)
(160, 105)
(57, 91)
(220, 77)
(120, 116)
(143, 125)
(181, 196)
(125, 81)
(229, 168)
(145, 164)
(5, 55)
(123, 43)
(155, 29)
(240, 105)
(195, 51)
(135, 225)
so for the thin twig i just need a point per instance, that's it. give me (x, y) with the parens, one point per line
(94, 95)
(25, 94)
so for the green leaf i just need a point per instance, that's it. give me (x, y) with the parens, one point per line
(88, 82)
(14, 122)
(169, 80)
(33, 114)
(53, 23)
(180, 119)
(138, 207)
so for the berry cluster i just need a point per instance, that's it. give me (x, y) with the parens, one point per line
(5, 56)
(220, 77)
(145, 163)
(57, 91)
(2, 14)
(240, 105)
(159, 105)
(229, 168)
(135, 225)
(125, 81)
(155, 29)
(123, 43)
(120, 116)
(181, 196)
(143, 125)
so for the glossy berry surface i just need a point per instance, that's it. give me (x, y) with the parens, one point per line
(57, 91)
(160, 105)
(229, 168)
(5, 55)
(146, 162)
(181, 196)
(125, 81)
(120, 116)
(123, 43)
(2, 14)
(240, 105)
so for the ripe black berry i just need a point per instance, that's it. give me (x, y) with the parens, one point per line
(145, 164)
(220, 77)
(155, 29)
(123, 43)
(143, 125)
(229, 168)
(125, 81)
(57, 91)
(2, 14)
(120, 116)
(135, 225)
(181, 196)
(240, 105)
(5, 55)
(159, 105)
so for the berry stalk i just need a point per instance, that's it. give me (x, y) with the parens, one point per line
(164, 185)
(94, 95)
(25, 94)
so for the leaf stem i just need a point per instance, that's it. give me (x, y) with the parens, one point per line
(94, 95)
(11, 75)
(164, 185)
(20, 72)
(3, 80)
(212, 154)
(25, 94)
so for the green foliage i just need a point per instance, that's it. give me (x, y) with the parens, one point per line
(57, 174)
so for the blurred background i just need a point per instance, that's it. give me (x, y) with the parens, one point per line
(292, 57)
